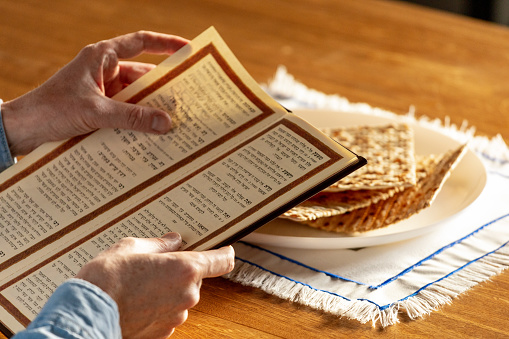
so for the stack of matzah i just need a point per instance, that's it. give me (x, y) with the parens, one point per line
(394, 185)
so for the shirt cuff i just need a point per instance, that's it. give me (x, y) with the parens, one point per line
(77, 309)
(6, 160)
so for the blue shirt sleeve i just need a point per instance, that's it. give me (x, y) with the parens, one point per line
(77, 309)
(6, 160)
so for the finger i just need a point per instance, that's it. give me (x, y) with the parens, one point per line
(217, 262)
(122, 115)
(132, 44)
(130, 71)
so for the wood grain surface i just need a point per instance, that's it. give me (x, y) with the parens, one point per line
(389, 54)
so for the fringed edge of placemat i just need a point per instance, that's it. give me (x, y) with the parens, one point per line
(442, 292)
(420, 304)
(294, 291)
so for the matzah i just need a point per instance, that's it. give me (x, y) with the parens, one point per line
(432, 172)
(328, 204)
(389, 150)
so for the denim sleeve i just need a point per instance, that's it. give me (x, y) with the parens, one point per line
(6, 159)
(77, 309)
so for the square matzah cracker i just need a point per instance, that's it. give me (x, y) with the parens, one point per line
(389, 150)
(432, 171)
(328, 204)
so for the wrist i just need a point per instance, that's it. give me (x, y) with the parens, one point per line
(15, 122)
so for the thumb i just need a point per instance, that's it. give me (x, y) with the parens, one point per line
(173, 241)
(134, 117)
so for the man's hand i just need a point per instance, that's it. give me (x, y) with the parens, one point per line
(153, 285)
(76, 99)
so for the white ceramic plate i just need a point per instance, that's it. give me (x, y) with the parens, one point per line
(463, 186)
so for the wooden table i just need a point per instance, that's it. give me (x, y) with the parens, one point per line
(389, 54)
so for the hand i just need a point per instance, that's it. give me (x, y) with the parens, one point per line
(76, 100)
(153, 285)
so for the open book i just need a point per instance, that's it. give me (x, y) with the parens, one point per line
(234, 160)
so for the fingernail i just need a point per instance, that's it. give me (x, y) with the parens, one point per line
(161, 124)
(173, 236)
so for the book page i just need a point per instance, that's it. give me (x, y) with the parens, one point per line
(234, 157)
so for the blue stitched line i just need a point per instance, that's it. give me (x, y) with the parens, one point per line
(290, 279)
(296, 281)
(493, 159)
(499, 174)
(454, 243)
(364, 299)
(302, 264)
(450, 274)
(405, 271)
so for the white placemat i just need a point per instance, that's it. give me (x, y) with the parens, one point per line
(416, 276)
